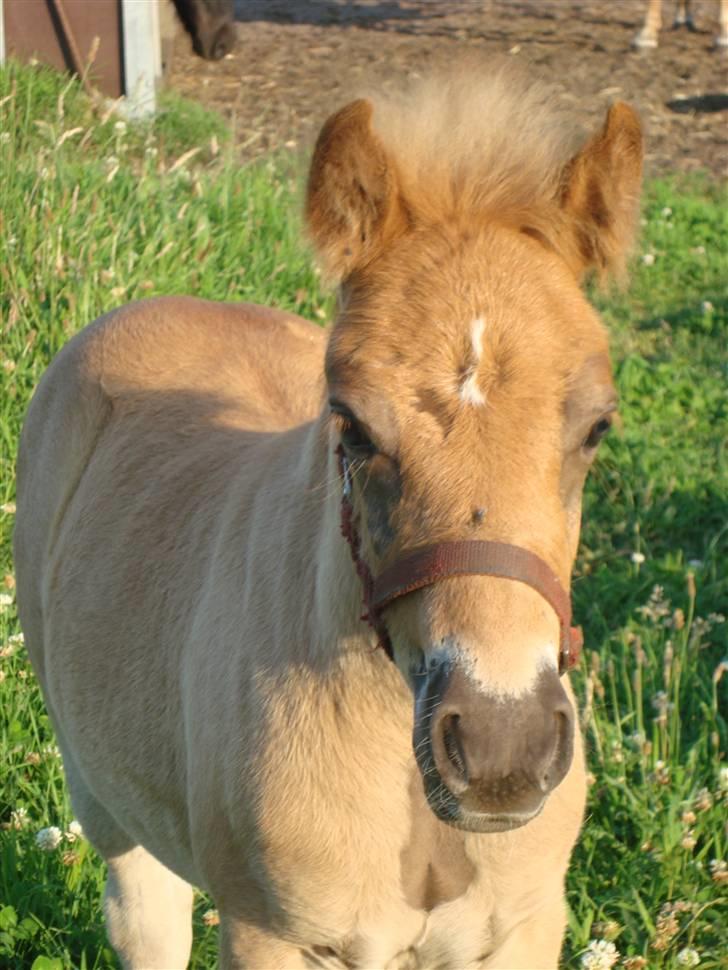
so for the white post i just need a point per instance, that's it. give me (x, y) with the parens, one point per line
(142, 55)
(2, 33)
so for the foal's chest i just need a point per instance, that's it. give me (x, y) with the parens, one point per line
(452, 936)
(429, 909)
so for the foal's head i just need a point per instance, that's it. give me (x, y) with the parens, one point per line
(469, 386)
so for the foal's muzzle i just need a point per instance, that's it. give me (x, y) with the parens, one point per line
(488, 763)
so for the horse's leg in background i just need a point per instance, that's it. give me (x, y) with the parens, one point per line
(721, 41)
(148, 909)
(683, 17)
(646, 39)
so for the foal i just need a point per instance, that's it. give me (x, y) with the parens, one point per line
(193, 610)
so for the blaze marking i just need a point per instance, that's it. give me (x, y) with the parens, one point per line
(497, 675)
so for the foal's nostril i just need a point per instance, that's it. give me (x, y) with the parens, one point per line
(453, 748)
(553, 771)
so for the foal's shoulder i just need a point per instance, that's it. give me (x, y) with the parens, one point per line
(186, 329)
(179, 340)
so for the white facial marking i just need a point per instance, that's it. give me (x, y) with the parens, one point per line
(476, 337)
(499, 676)
(470, 393)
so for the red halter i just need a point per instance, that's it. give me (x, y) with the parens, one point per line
(472, 557)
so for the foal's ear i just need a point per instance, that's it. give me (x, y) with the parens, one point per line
(352, 201)
(600, 194)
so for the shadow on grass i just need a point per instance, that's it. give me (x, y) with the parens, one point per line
(686, 318)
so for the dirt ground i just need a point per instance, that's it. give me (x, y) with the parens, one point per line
(298, 60)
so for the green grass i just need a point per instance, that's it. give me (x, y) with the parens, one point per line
(95, 217)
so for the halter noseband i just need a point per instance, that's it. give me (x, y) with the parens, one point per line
(471, 557)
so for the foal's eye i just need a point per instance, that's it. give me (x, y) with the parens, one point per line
(597, 433)
(353, 437)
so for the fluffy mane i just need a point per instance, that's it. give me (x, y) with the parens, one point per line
(474, 145)
(477, 141)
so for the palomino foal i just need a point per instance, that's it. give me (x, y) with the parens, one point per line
(194, 612)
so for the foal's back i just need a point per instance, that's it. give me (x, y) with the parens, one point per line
(161, 370)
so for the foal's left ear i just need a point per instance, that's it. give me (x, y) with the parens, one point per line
(352, 199)
(600, 194)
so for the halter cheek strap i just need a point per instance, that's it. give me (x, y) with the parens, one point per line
(444, 560)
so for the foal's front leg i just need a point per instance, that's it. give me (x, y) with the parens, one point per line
(534, 944)
(148, 913)
(245, 947)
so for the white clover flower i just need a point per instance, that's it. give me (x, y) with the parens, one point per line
(120, 127)
(600, 955)
(706, 306)
(638, 558)
(667, 212)
(16, 639)
(661, 773)
(6, 600)
(657, 607)
(48, 839)
(723, 778)
(688, 841)
(703, 800)
(688, 957)
(4, 137)
(660, 701)
(648, 259)
(75, 831)
(19, 818)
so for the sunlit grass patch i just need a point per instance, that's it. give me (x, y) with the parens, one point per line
(114, 212)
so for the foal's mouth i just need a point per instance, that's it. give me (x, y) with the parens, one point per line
(485, 822)
(448, 808)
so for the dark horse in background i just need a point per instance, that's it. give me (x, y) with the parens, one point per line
(210, 24)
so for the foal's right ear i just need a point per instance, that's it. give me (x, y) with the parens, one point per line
(352, 201)
(600, 194)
